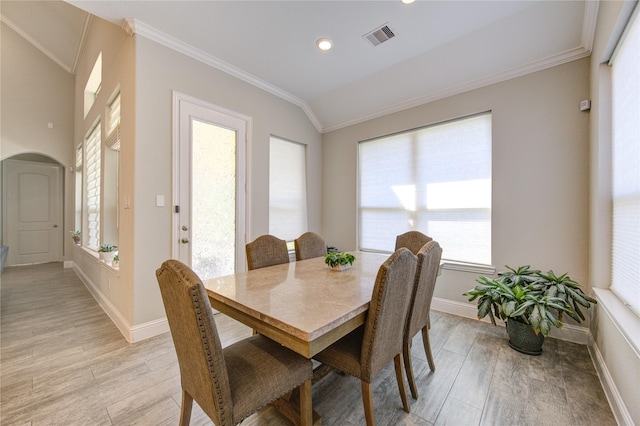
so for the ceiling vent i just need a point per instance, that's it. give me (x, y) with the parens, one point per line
(379, 35)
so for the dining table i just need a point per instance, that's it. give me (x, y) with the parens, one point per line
(303, 305)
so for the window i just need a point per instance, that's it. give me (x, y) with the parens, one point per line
(78, 175)
(287, 189)
(92, 148)
(92, 88)
(625, 71)
(436, 180)
(111, 163)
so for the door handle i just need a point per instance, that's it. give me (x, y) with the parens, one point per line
(55, 226)
(184, 241)
(185, 228)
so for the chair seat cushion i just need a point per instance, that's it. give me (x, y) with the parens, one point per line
(259, 368)
(345, 354)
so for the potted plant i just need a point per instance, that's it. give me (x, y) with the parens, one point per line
(339, 261)
(76, 236)
(530, 302)
(116, 261)
(107, 252)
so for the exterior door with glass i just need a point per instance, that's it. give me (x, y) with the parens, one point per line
(210, 210)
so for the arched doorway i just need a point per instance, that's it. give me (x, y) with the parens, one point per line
(32, 209)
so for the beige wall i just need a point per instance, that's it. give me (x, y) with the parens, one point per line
(35, 91)
(614, 327)
(540, 157)
(159, 71)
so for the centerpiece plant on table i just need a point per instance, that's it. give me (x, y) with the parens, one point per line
(339, 261)
(530, 302)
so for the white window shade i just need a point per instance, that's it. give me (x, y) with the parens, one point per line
(436, 180)
(92, 187)
(287, 189)
(626, 166)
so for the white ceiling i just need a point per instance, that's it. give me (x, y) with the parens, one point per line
(441, 47)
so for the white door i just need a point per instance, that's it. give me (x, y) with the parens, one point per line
(33, 222)
(210, 209)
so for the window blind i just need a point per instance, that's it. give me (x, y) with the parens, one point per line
(436, 180)
(287, 189)
(92, 187)
(626, 166)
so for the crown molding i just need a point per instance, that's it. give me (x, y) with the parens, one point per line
(589, 24)
(133, 26)
(549, 62)
(83, 37)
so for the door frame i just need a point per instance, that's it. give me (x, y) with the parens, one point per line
(6, 231)
(178, 98)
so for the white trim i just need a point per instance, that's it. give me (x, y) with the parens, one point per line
(622, 316)
(106, 305)
(568, 332)
(137, 27)
(589, 24)
(148, 329)
(131, 334)
(618, 407)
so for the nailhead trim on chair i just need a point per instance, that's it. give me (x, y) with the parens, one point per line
(205, 342)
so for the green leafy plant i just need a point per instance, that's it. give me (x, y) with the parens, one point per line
(336, 259)
(107, 248)
(75, 234)
(116, 258)
(531, 297)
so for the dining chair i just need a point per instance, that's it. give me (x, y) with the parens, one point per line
(232, 383)
(413, 240)
(266, 250)
(369, 348)
(418, 317)
(309, 245)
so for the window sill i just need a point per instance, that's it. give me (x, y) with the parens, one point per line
(468, 267)
(623, 317)
(96, 256)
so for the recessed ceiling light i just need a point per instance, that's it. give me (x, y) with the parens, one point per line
(324, 44)
(408, 1)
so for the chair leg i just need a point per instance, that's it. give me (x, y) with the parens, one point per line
(185, 408)
(367, 400)
(400, 379)
(406, 354)
(427, 348)
(306, 406)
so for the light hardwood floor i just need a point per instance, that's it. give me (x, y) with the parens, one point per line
(63, 362)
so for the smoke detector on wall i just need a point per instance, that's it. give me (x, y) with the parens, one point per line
(379, 35)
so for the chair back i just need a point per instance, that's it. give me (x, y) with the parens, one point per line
(266, 250)
(203, 372)
(385, 324)
(413, 240)
(309, 245)
(425, 283)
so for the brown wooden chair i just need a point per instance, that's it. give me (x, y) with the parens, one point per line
(413, 240)
(232, 383)
(309, 245)
(368, 349)
(418, 319)
(266, 250)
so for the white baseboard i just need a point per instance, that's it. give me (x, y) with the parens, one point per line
(620, 412)
(131, 333)
(568, 332)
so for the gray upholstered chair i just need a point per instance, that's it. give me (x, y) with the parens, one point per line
(418, 319)
(368, 349)
(232, 383)
(413, 240)
(266, 250)
(309, 245)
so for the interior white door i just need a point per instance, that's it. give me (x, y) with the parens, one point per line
(33, 222)
(210, 208)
